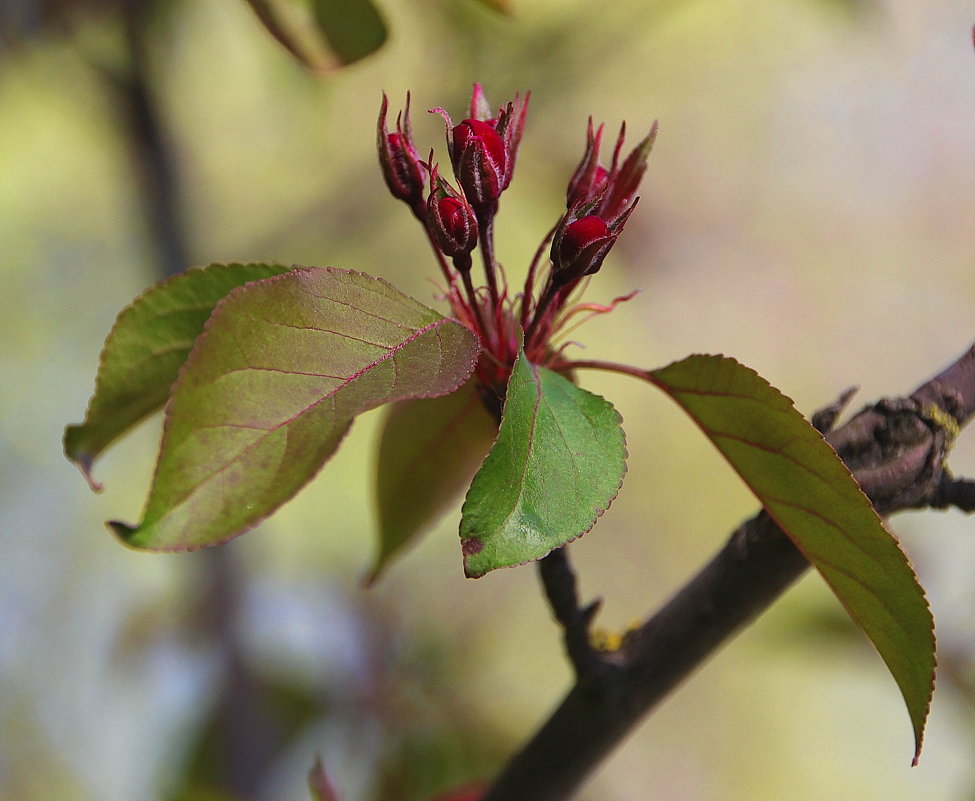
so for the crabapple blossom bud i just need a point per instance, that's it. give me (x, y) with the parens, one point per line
(478, 155)
(590, 176)
(580, 248)
(613, 190)
(624, 180)
(402, 169)
(483, 149)
(450, 219)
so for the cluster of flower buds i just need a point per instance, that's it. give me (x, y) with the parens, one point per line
(459, 219)
(482, 152)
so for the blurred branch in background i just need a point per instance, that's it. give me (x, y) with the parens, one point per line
(154, 164)
(240, 741)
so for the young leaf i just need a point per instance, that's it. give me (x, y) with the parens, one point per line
(810, 493)
(429, 451)
(323, 34)
(557, 465)
(271, 387)
(143, 353)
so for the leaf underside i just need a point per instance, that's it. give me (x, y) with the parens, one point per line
(271, 387)
(558, 463)
(146, 348)
(810, 493)
(323, 34)
(429, 451)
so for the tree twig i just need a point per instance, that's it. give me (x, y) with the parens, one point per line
(896, 449)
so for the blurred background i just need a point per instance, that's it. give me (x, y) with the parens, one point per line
(809, 209)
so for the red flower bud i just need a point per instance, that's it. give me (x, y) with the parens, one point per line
(483, 150)
(450, 220)
(624, 180)
(612, 191)
(580, 247)
(403, 171)
(479, 157)
(590, 176)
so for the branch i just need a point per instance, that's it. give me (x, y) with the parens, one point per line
(152, 159)
(896, 449)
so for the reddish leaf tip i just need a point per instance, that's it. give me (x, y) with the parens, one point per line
(84, 461)
(471, 546)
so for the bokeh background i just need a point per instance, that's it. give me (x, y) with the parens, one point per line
(809, 209)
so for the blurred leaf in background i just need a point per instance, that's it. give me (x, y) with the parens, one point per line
(323, 34)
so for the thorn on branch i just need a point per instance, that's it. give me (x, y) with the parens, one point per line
(824, 419)
(559, 582)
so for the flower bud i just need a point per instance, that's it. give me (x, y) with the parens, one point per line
(450, 219)
(403, 171)
(580, 247)
(613, 191)
(479, 157)
(624, 180)
(590, 176)
(483, 149)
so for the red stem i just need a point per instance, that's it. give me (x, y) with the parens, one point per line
(483, 331)
(485, 224)
(444, 267)
(526, 297)
(615, 367)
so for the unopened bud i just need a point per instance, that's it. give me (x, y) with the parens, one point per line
(483, 149)
(402, 169)
(590, 176)
(450, 219)
(479, 157)
(580, 248)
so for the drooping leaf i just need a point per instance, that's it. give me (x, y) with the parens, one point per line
(353, 28)
(810, 493)
(146, 348)
(323, 34)
(429, 451)
(271, 387)
(558, 463)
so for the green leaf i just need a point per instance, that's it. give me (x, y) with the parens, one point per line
(146, 348)
(353, 28)
(271, 387)
(809, 492)
(429, 452)
(557, 465)
(323, 34)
